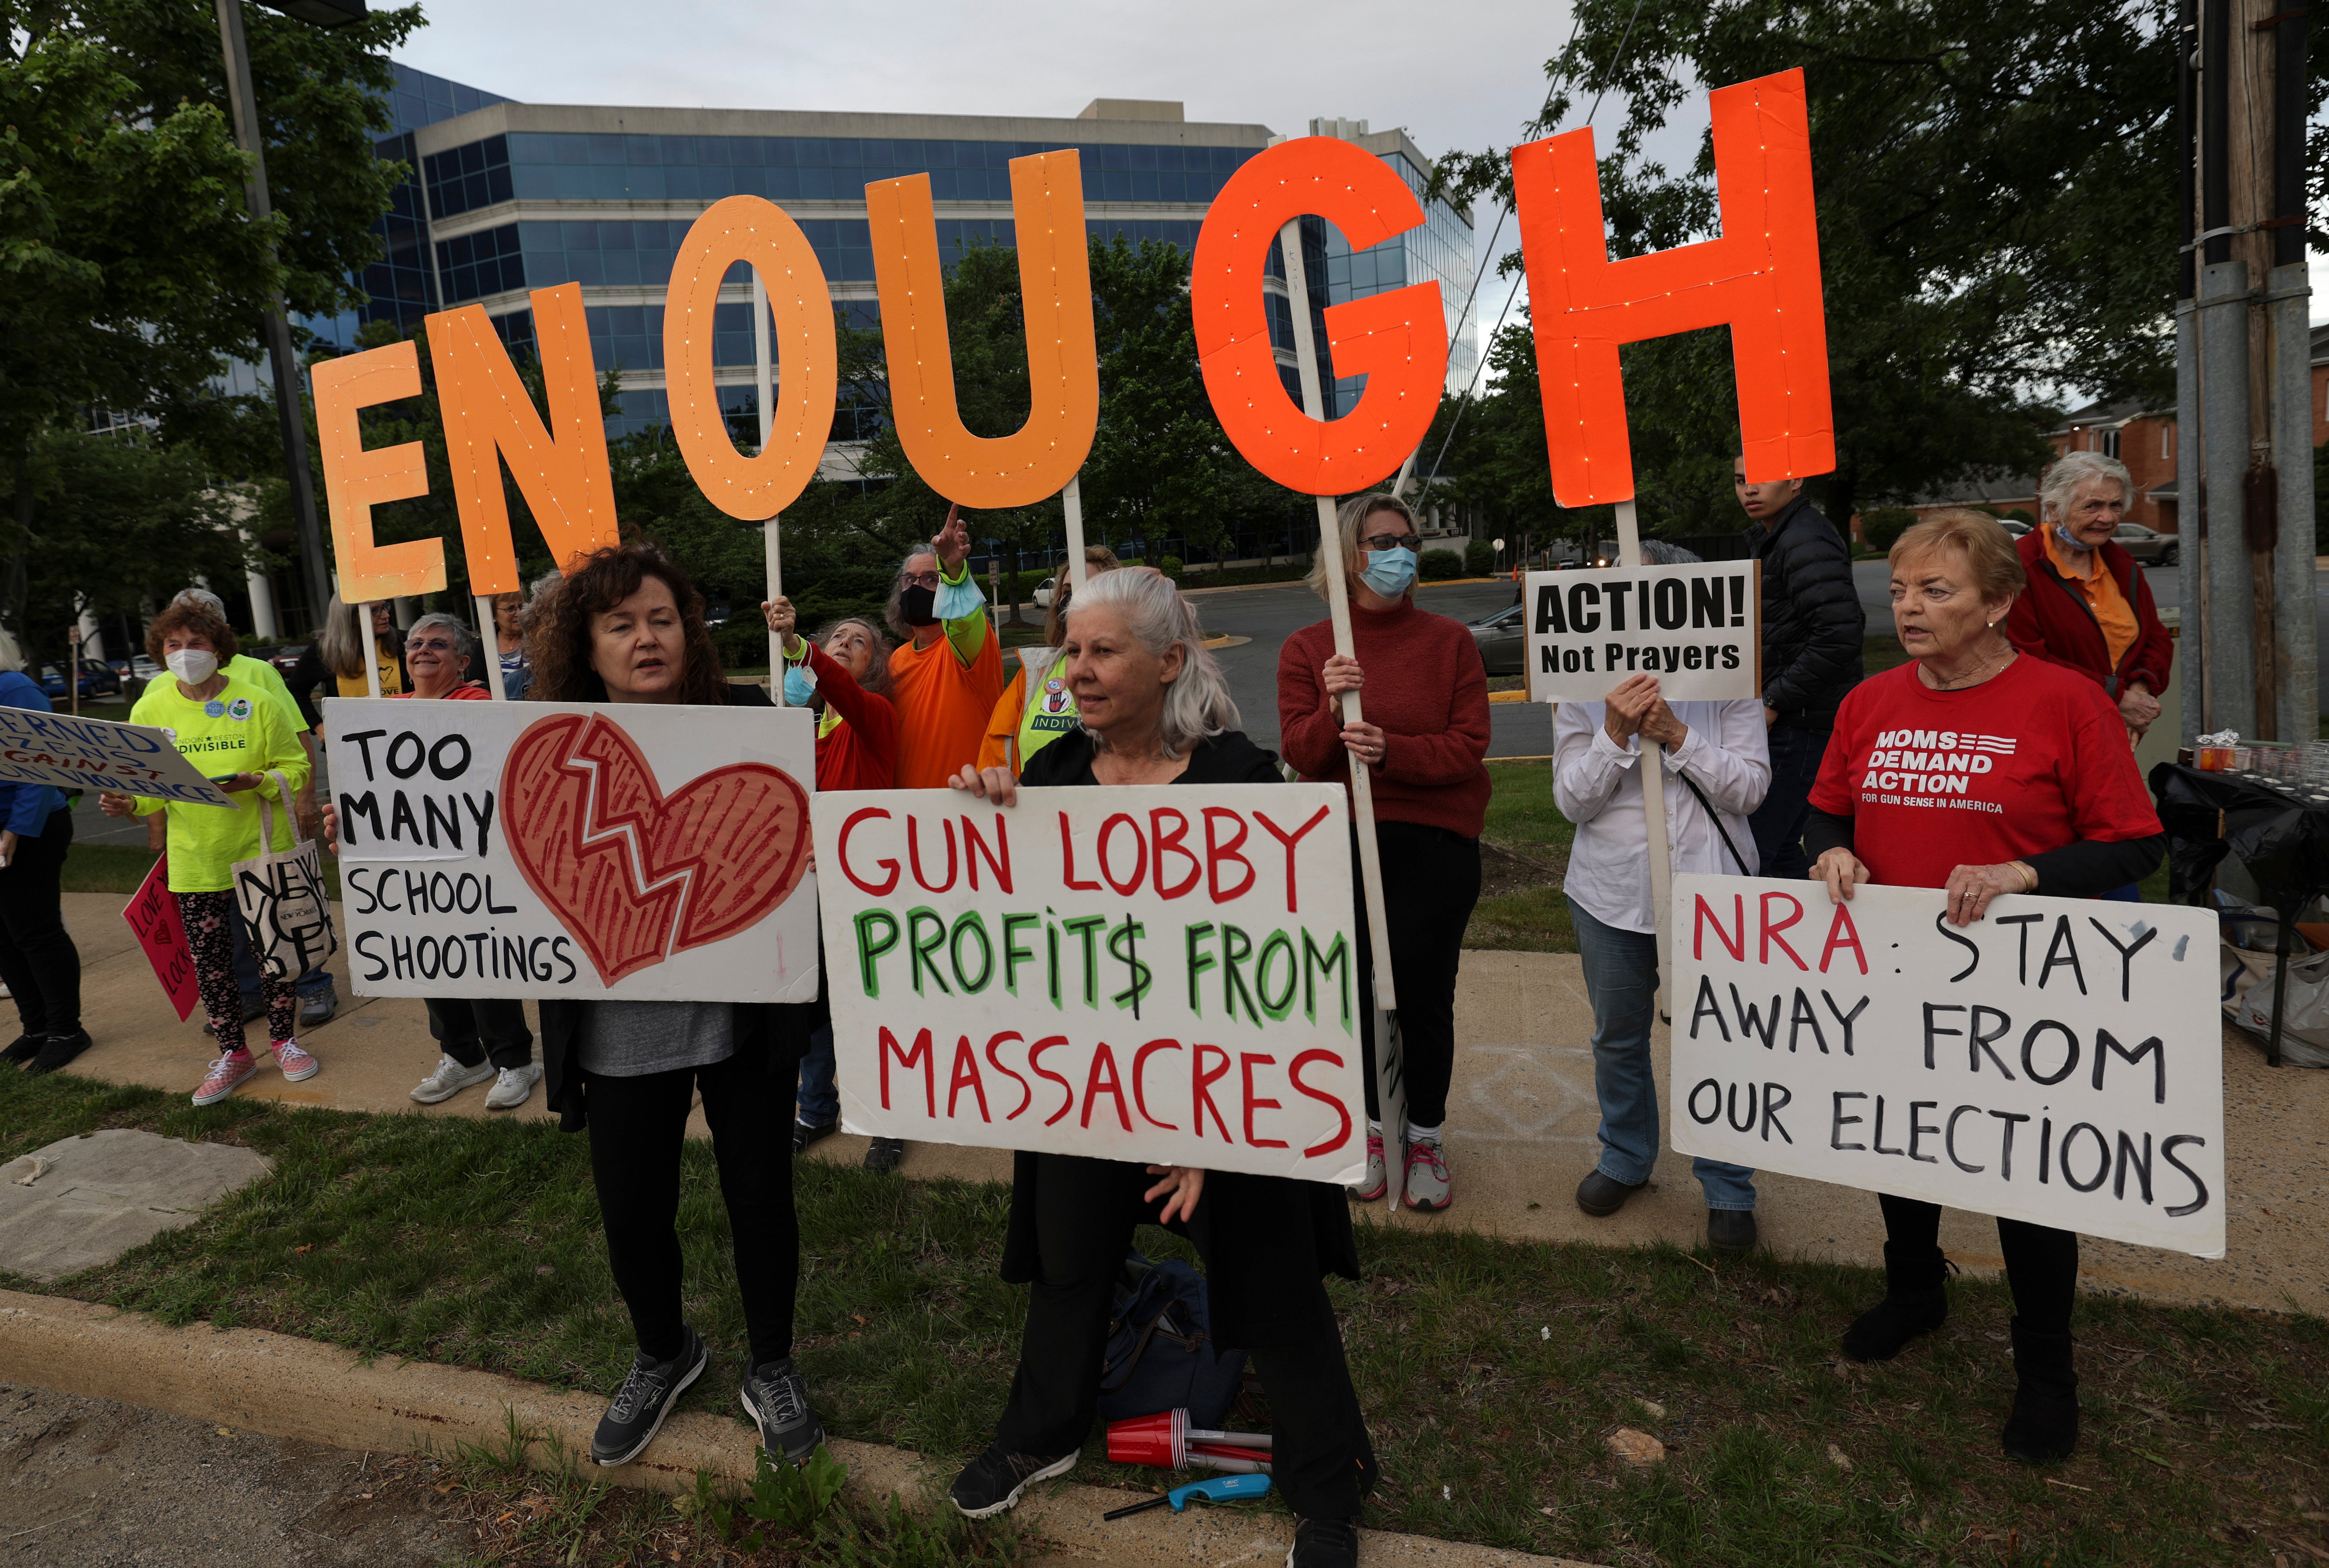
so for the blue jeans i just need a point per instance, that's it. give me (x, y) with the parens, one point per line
(1779, 822)
(313, 984)
(1621, 977)
(820, 1101)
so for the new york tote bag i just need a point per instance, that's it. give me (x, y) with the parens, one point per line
(281, 896)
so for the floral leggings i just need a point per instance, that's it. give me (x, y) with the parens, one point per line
(210, 937)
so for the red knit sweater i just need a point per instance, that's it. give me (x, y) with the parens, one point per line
(860, 752)
(1426, 691)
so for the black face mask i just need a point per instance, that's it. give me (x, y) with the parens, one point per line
(918, 605)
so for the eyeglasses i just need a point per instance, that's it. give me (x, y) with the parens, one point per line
(428, 645)
(920, 579)
(1388, 542)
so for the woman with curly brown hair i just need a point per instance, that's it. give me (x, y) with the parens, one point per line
(625, 625)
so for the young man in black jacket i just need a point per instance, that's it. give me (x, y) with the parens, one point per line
(1813, 625)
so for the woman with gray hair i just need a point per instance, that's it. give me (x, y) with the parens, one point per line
(1154, 709)
(337, 657)
(2089, 607)
(1424, 734)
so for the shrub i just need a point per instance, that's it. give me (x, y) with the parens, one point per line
(1480, 559)
(1439, 564)
(1885, 524)
(1172, 566)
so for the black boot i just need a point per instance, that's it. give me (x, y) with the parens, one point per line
(2044, 1425)
(1916, 1302)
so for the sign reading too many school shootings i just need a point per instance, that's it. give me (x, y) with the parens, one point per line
(2060, 1061)
(1164, 974)
(1696, 628)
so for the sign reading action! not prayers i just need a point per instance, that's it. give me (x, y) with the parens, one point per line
(1695, 628)
(2060, 1061)
(1165, 975)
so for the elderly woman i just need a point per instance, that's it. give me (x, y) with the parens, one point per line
(1037, 708)
(843, 676)
(1720, 754)
(1154, 709)
(509, 643)
(2067, 815)
(236, 736)
(2088, 605)
(478, 1038)
(1426, 732)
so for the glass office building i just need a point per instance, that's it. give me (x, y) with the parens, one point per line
(507, 198)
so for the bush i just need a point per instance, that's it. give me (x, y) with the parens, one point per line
(1480, 559)
(1440, 564)
(1885, 524)
(1172, 566)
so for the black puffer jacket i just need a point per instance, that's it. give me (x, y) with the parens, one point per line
(1811, 620)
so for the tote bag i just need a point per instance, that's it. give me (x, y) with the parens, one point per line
(280, 897)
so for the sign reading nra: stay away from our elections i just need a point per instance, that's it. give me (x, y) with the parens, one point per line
(1160, 974)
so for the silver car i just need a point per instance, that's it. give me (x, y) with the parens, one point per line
(2148, 545)
(1502, 641)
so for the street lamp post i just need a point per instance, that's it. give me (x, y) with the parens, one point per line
(286, 368)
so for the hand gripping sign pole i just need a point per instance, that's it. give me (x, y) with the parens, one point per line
(1654, 793)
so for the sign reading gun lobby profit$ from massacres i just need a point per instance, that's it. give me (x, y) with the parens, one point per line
(575, 850)
(1164, 974)
(1696, 628)
(2060, 1061)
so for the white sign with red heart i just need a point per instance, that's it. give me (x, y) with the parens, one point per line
(575, 850)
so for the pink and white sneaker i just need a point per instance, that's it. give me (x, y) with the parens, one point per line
(226, 1075)
(296, 1064)
(1428, 1186)
(1378, 1177)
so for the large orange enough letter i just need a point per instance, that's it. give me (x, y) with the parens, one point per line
(750, 229)
(355, 480)
(489, 417)
(1047, 202)
(1397, 341)
(1761, 278)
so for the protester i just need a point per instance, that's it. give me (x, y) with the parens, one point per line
(38, 961)
(509, 645)
(478, 1037)
(236, 735)
(1037, 708)
(338, 655)
(2062, 812)
(1716, 753)
(1155, 710)
(847, 683)
(625, 625)
(1426, 700)
(1813, 629)
(2090, 606)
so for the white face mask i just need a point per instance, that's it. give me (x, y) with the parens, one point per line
(193, 666)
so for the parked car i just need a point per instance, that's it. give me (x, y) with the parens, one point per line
(2014, 525)
(1502, 641)
(97, 680)
(287, 657)
(1042, 595)
(2148, 545)
(144, 668)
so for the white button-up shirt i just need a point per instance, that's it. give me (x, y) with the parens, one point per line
(1598, 788)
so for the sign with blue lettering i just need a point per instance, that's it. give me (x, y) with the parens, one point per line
(70, 753)
(1697, 628)
(2060, 1061)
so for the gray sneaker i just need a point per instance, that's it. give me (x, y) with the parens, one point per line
(777, 1395)
(318, 1009)
(512, 1087)
(1428, 1186)
(449, 1079)
(636, 1413)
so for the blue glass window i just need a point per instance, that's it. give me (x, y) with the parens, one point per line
(474, 265)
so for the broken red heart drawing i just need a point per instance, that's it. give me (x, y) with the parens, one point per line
(637, 875)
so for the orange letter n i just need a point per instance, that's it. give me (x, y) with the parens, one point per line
(1761, 278)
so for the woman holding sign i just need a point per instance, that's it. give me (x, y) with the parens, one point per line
(1426, 732)
(236, 736)
(2057, 806)
(1154, 709)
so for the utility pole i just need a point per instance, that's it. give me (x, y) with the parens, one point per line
(2243, 377)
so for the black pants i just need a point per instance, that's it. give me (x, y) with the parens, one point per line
(1431, 879)
(2041, 1263)
(37, 960)
(471, 1030)
(638, 1126)
(1086, 1211)
(1779, 822)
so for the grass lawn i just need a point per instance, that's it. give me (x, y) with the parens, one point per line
(1492, 1372)
(122, 868)
(1520, 907)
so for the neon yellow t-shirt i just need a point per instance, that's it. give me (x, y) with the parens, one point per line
(269, 679)
(239, 730)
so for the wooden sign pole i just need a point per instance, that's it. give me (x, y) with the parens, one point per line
(371, 641)
(489, 646)
(1654, 793)
(1072, 500)
(764, 368)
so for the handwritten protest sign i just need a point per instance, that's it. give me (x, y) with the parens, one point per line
(1696, 628)
(37, 748)
(1162, 973)
(2060, 1061)
(577, 850)
(153, 915)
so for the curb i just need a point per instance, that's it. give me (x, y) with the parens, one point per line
(286, 1386)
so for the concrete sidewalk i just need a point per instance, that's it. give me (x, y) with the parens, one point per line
(1521, 1129)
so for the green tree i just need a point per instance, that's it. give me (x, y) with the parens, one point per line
(1996, 211)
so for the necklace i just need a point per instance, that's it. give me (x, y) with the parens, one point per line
(1980, 673)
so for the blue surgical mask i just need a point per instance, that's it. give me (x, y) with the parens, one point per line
(800, 686)
(1390, 573)
(2070, 540)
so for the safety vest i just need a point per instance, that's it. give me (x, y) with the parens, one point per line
(1048, 709)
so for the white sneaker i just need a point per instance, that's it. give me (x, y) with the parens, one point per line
(449, 1079)
(513, 1088)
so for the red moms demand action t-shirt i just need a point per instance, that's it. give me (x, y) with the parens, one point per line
(2031, 761)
